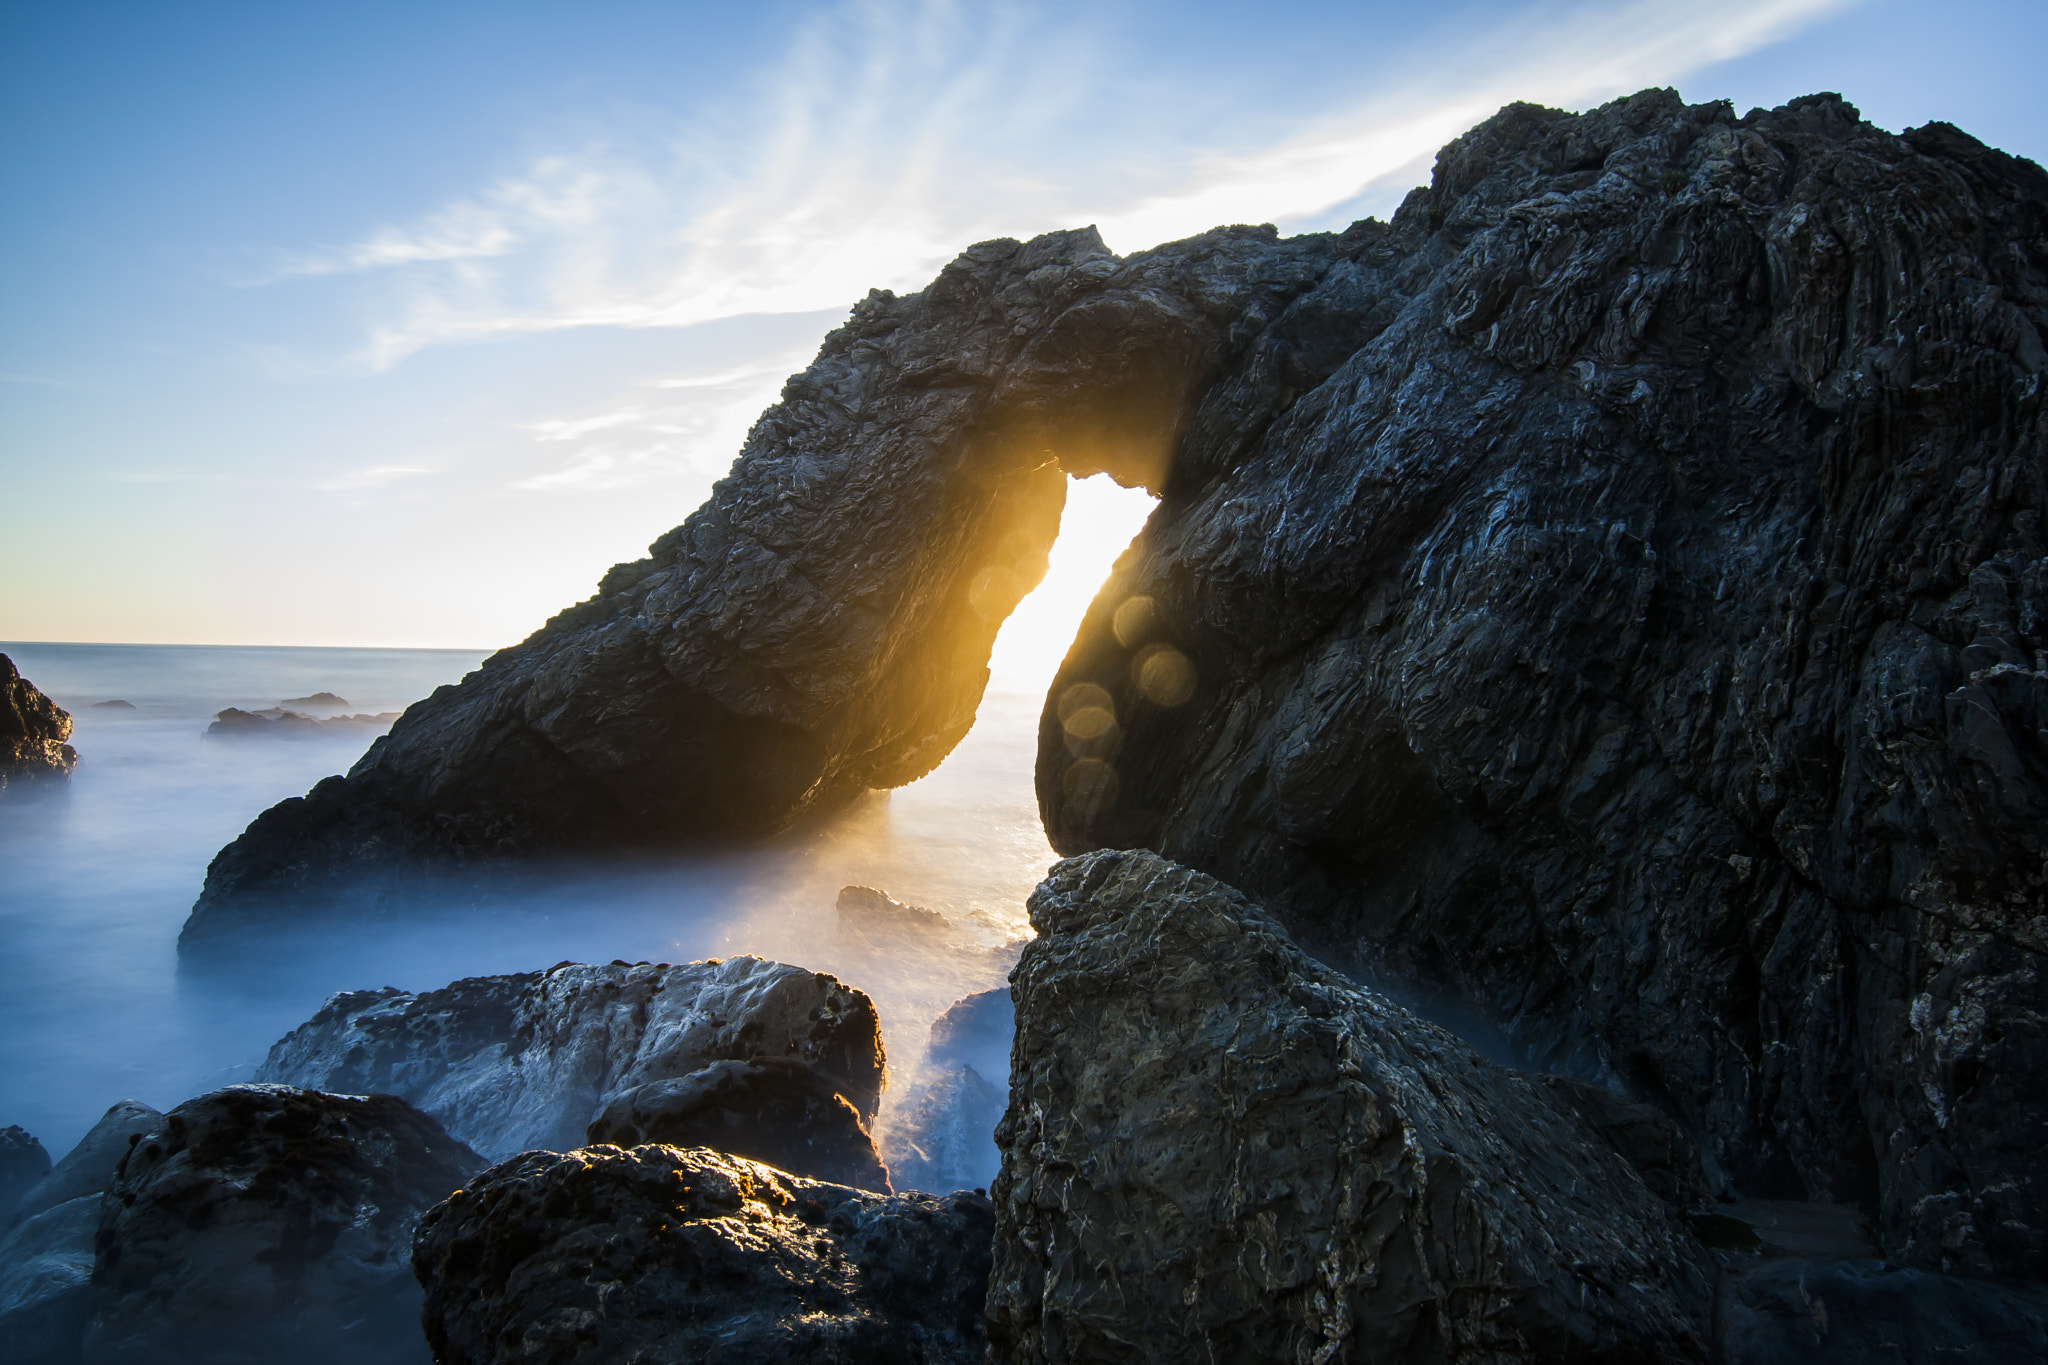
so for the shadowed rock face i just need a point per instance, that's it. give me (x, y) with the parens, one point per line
(822, 625)
(32, 731)
(1217, 1149)
(1610, 605)
(670, 1256)
(268, 1223)
(529, 1060)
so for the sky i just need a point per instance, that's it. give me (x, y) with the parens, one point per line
(396, 324)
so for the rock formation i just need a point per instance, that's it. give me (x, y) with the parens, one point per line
(23, 1162)
(88, 1169)
(268, 1223)
(1218, 1149)
(509, 1063)
(940, 1134)
(32, 732)
(667, 1256)
(775, 1110)
(1609, 606)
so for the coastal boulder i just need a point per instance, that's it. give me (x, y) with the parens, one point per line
(673, 1256)
(775, 1110)
(264, 1222)
(32, 732)
(89, 1168)
(1217, 1148)
(523, 1061)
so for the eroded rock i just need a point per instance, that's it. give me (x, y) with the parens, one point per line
(1217, 1148)
(265, 1222)
(523, 1061)
(32, 732)
(671, 1256)
(1613, 603)
(775, 1110)
(89, 1168)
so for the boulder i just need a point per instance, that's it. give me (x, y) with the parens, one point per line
(269, 1223)
(23, 1162)
(529, 1060)
(1610, 609)
(46, 1283)
(32, 732)
(775, 1110)
(88, 1168)
(671, 1256)
(1797, 1312)
(1217, 1148)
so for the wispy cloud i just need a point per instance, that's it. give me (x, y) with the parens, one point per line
(893, 134)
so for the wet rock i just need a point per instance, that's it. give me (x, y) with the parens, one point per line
(23, 1162)
(1796, 1312)
(46, 1283)
(665, 1256)
(270, 1223)
(32, 732)
(1217, 1148)
(88, 1168)
(822, 625)
(529, 1060)
(774, 1110)
(1602, 611)
(940, 1135)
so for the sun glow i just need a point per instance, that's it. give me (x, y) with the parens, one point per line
(1099, 522)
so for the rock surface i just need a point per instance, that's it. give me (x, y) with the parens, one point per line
(32, 732)
(775, 1110)
(1797, 1312)
(669, 1256)
(940, 1134)
(46, 1283)
(1216, 1148)
(524, 1061)
(1610, 607)
(270, 1223)
(23, 1162)
(88, 1168)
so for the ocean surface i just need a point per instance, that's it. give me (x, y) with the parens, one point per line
(96, 880)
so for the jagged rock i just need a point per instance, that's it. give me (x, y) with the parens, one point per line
(32, 732)
(668, 1256)
(23, 1162)
(1217, 1148)
(270, 1223)
(1611, 605)
(775, 1110)
(529, 1060)
(869, 918)
(235, 723)
(822, 625)
(1796, 1312)
(326, 701)
(940, 1135)
(88, 1168)
(46, 1283)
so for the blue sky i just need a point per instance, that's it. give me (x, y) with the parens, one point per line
(396, 324)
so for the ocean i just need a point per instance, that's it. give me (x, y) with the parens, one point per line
(96, 880)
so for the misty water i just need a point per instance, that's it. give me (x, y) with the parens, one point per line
(96, 880)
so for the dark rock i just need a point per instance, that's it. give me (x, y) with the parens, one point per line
(875, 918)
(1797, 1312)
(529, 1060)
(667, 1256)
(326, 701)
(32, 732)
(1662, 1153)
(46, 1283)
(976, 1031)
(1611, 608)
(270, 1223)
(23, 1163)
(822, 625)
(115, 705)
(775, 1110)
(235, 723)
(1217, 1149)
(88, 1168)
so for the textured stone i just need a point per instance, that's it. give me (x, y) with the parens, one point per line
(671, 1256)
(88, 1168)
(1797, 1312)
(32, 732)
(524, 1061)
(46, 1283)
(775, 1110)
(269, 1223)
(1609, 609)
(1216, 1148)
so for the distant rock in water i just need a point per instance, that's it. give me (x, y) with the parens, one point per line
(23, 1162)
(1218, 1149)
(776, 1110)
(235, 723)
(668, 1256)
(32, 733)
(326, 701)
(269, 1223)
(115, 705)
(530, 1060)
